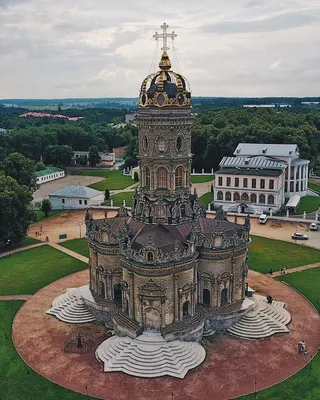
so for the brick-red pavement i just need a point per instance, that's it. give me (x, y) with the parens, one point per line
(229, 370)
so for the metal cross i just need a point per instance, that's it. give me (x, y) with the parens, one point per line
(164, 36)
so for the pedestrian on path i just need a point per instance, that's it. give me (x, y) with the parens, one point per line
(270, 270)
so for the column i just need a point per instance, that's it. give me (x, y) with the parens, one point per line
(295, 179)
(300, 178)
(175, 299)
(131, 304)
(289, 177)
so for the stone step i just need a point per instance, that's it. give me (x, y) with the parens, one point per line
(149, 355)
(263, 320)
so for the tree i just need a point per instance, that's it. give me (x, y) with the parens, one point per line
(15, 210)
(107, 194)
(136, 176)
(39, 166)
(83, 160)
(58, 155)
(21, 169)
(46, 206)
(94, 157)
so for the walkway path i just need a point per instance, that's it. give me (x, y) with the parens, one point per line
(15, 297)
(296, 269)
(32, 246)
(130, 188)
(69, 252)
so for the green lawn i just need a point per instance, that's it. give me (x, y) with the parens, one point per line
(18, 381)
(308, 204)
(206, 198)
(78, 245)
(265, 253)
(201, 178)
(314, 187)
(307, 282)
(118, 199)
(25, 242)
(114, 180)
(30, 270)
(305, 385)
(40, 216)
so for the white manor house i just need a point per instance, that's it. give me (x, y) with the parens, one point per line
(259, 177)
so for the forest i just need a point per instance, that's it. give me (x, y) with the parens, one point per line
(214, 134)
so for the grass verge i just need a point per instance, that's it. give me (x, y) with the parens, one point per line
(28, 241)
(307, 282)
(308, 204)
(207, 198)
(40, 216)
(28, 271)
(265, 253)
(78, 245)
(314, 187)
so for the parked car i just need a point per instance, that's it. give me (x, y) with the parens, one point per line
(299, 236)
(263, 218)
(313, 226)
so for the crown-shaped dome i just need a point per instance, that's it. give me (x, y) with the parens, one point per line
(165, 88)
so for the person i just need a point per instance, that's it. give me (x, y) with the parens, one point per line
(281, 271)
(269, 299)
(270, 270)
(284, 270)
(36, 233)
(47, 238)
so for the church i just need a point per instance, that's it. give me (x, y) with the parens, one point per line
(164, 275)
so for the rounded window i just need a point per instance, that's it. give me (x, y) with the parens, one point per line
(179, 143)
(161, 144)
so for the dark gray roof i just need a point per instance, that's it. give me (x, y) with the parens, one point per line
(250, 171)
(253, 161)
(275, 150)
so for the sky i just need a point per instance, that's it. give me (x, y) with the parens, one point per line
(98, 48)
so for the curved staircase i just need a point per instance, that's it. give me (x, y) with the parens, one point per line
(262, 320)
(70, 308)
(149, 355)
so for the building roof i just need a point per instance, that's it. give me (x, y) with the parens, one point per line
(299, 161)
(48, 171)
(76, 191)
(250, 171)
(275, 150)
(293, 201)
(252, 162)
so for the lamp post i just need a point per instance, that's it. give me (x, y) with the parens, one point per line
(9, 246)
(80, 225)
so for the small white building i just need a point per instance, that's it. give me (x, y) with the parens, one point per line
(296, 175)
(75, 197)
(49, 174)
(250, 184)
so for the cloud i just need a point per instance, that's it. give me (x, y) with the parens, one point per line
(269, 24)
(76, 48)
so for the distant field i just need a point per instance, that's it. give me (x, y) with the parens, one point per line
(114, 180)
(118, 199)
(201, 178)
(265, 253)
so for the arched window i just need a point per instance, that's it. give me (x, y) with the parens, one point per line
(179, 176)
(150, 256)
(162, 177)
(220, 196)
(270, 199)
(236, 196)
(262, 199)
(253, 198)
(145, 143)
(244, 197)
(148, 177)
(228, 196)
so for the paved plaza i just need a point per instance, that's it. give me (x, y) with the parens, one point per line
(230, 369)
